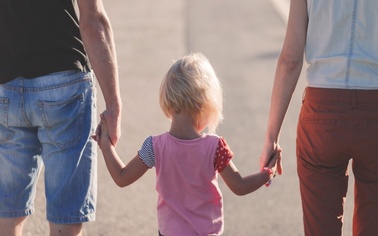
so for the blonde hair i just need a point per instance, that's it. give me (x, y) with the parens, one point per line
(192, 86)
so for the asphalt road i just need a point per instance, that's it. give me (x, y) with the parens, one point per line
(242, 41)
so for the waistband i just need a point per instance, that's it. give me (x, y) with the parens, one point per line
(348, 96)
(50, 81)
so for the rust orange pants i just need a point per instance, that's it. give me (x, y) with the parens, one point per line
(336, 126)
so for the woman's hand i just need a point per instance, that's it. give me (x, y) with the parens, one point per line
(271, 157)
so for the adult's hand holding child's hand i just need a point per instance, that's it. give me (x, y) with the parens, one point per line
(113, 122)
(275, 161)
(102, 134)
(269, 153)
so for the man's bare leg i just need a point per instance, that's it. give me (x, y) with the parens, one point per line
(65, 230)
(12, 226)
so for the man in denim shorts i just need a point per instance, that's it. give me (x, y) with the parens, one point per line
(48, 111)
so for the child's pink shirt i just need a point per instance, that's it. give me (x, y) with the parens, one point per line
(189, 199)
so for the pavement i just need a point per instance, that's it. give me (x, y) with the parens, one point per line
(242, 41)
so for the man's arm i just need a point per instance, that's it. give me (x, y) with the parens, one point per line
(97, 35)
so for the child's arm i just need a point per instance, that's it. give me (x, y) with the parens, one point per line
(245, 185)
(121, 174)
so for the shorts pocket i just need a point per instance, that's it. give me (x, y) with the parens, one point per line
(5, 132)
(63, 121)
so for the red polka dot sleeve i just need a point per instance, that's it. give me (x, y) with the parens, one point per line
(223, 155)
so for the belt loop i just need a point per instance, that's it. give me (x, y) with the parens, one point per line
(87, 68)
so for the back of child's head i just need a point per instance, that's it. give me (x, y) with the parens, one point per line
(192, 86)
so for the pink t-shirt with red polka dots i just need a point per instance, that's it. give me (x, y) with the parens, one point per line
(223, 154)
(187, 182)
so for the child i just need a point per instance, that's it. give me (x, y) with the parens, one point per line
(186, 159)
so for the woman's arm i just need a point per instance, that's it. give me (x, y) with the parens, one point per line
(288, 70)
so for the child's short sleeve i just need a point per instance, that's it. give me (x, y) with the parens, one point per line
(147, 154)
(223, 155)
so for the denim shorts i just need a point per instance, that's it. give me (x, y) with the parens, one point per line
(48, 121)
